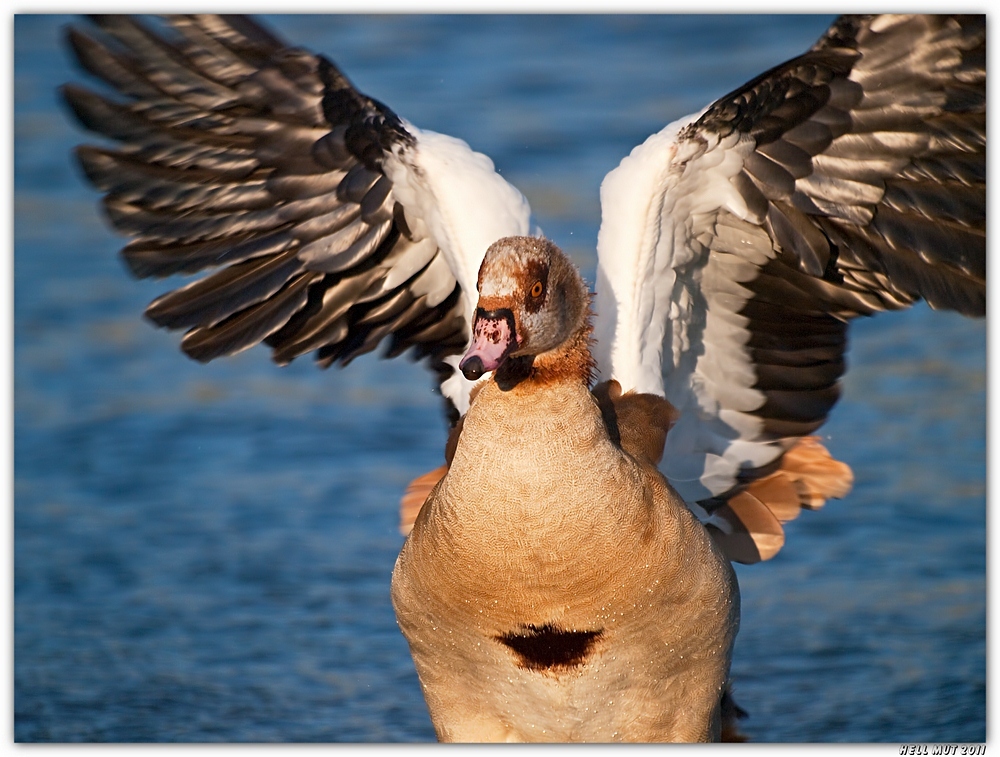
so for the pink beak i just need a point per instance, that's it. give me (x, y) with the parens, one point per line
(493, 339)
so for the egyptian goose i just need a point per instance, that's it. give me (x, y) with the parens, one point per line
(735, 245)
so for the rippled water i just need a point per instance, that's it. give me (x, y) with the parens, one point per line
(203, 553)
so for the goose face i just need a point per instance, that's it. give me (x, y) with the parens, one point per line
(531, 300)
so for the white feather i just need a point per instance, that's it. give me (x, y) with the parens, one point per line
(459, 197)
(655, 330)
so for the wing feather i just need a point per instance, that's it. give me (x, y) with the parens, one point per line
(262, 166)
(737, 244)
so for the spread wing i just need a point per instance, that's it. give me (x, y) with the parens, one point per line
(736, 245)
(325, 223)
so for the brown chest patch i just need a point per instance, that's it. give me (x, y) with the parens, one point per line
(548, 647)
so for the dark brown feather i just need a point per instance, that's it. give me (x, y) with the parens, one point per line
(238, 152)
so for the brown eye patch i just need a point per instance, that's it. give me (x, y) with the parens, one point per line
(537, 273)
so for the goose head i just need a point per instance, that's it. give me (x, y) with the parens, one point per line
(533, 315)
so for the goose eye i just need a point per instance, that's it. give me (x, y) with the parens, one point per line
(537, 289)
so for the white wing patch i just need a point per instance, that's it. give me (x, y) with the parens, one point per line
(456, 195)
(675, 291)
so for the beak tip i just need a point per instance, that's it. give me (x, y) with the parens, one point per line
(472, 367)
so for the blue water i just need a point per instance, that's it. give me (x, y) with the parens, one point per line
(203, 553)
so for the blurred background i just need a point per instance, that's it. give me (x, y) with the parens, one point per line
(203, 553)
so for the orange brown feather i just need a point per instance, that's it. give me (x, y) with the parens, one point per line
(638, 423)
(806, 477)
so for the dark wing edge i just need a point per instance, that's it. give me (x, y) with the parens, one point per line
(868, 178)
(262, 163)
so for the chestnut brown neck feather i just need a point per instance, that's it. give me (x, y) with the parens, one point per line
(570, 361)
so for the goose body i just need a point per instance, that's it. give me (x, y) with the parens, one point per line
(735, 246)
(554, 587)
